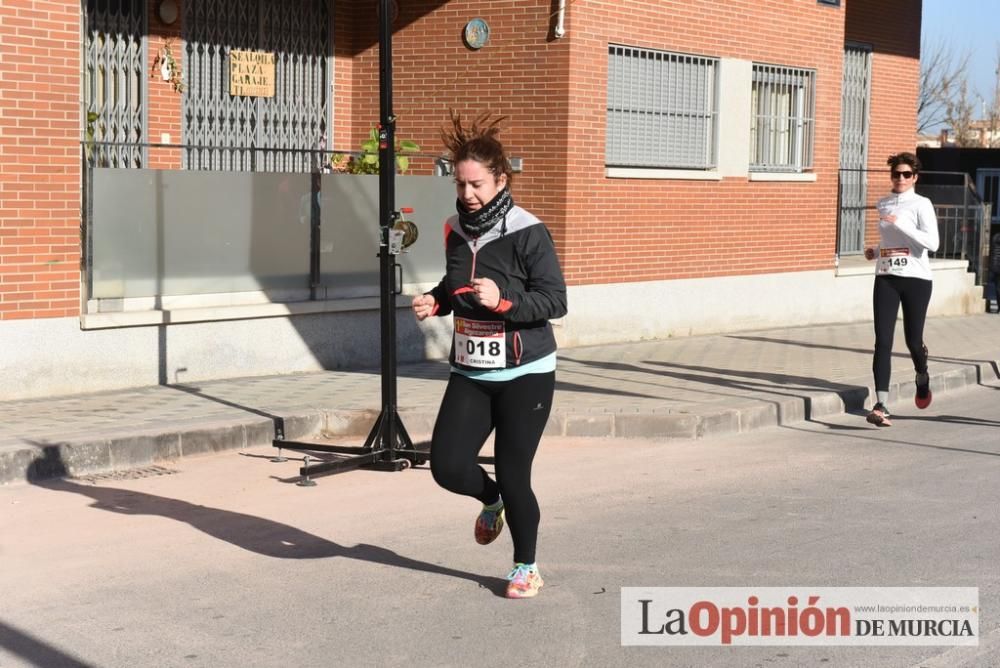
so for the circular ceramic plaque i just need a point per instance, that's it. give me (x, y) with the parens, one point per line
(477, 33)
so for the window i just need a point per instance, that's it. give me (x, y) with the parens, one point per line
(782, 118)
(662, 109)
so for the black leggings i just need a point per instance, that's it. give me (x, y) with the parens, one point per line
(518, 409)
(915, 295)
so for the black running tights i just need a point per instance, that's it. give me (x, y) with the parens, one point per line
(518, 409)
(915, 295)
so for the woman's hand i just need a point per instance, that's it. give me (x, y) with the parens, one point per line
(487, 292)
(870, 253)
(423, 306)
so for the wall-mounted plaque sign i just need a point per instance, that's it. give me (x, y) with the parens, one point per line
(251, 73)
(477, 33)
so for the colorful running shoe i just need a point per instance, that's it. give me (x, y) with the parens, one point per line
(879, 416)
(525, 581)
(923, 396)
(489, 524)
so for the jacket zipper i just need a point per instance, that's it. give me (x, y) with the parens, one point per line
(475, 250)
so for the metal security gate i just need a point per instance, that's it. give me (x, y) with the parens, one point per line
(988, 187)
(854, 148)
(243, 133)
(114, 85)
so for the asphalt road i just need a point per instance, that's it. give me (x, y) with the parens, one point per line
(216, 562)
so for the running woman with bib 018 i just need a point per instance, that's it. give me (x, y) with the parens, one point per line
(502, 284)
(908, 230)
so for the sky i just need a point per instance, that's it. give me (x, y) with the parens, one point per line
(967, 24)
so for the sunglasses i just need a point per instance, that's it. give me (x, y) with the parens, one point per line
(902, 175)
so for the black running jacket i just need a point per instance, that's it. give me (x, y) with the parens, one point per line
(519, 256)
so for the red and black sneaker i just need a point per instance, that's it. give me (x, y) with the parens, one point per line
(879, 416)
(923, 396)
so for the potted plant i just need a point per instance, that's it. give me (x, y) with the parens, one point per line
(350, 233)
(367, 162)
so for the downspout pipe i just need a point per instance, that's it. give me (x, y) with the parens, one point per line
(560, 29)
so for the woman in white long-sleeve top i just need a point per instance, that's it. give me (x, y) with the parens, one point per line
(908, 231)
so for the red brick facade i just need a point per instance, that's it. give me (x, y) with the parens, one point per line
(672, 229)
(164, 113)
(39, 159)
(554, 91)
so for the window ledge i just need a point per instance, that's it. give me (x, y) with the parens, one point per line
(783, 176)
(655, 173)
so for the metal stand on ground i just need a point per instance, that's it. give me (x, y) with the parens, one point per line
(388, 446)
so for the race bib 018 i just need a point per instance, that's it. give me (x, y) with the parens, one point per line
(480, 344)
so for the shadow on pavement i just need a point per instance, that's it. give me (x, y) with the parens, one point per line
(951, 419)
(896, 418)
(34, 651)
(978, 364)
(254, 534)
(777, 384)
(279, 422)
(771, 381)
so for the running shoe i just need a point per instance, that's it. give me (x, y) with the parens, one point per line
(525, 581)
(489, 524)
(879, 416)
(923, 396)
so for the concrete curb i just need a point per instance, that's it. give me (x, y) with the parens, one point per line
(78, 458)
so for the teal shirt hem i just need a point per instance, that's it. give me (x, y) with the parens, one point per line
(543, 365)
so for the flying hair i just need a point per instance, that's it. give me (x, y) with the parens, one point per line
(479, 141)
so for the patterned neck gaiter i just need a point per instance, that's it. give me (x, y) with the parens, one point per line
(479, 222)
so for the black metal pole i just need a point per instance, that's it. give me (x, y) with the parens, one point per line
(388, 446)
(315, 231)
(387, 207)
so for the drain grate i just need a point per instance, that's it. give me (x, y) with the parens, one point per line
(129, 474)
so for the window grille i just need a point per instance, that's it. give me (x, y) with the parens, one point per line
(782, 122)
(286, 132)
(114, 83)
(662, 109)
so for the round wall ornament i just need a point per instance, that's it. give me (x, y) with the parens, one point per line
(477, 33)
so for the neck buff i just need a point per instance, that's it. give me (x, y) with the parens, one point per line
(479, 222)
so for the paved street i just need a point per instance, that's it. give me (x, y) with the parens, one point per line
(213, 561)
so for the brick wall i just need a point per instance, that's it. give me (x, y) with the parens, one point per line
(627, 229)
(344, 38)
(39, 159)
(554, 91)
(520, 73)
(163, 115)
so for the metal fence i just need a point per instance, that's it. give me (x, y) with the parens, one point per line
(964, 238)
(963, 217)
(150, 233)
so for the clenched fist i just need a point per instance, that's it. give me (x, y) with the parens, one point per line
(487, 292)
(423, 306)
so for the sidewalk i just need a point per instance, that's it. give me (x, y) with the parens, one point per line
(694, 387)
